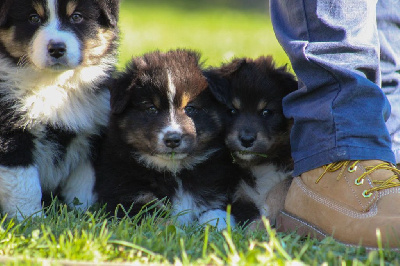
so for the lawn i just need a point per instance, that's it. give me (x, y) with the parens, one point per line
(69, 237)
(213, 29)
(220, 30)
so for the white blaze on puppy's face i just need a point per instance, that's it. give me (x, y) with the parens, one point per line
(172, 126)
(51, 34)
(171, 96)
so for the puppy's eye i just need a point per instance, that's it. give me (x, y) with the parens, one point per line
(76, 18)
(190, 110)
(266, 112)
(35, 19)
(152, 110)
(233, 111)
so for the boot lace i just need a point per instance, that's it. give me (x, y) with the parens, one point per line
(351, 167)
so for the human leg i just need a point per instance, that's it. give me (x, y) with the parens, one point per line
(339, 110)
(388, 22)
(339, 116)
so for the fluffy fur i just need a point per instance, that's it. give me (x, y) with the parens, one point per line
(165, 140)
(55, 58)
(257, 131)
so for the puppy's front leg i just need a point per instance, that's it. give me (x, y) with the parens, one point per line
(216, 218)
(20, 191)
(78, 188)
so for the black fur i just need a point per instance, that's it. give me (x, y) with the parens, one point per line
(122, 178)
(252, 81)
(16, 145)
(40, 140)
(257, 131)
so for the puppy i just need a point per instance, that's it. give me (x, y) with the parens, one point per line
(55, 58)
(165, 140)
(257, 132)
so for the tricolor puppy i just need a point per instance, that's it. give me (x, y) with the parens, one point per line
(55, 56)
(165, 140)
(257, 131)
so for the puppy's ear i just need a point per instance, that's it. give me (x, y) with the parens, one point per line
(119, 93)
(286, 80)
(229, 69)
(109, 12)
(218, 80)
(123, 85)
(4, 8)
(218, 86)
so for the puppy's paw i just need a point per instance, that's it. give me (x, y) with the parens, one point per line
(216, 218)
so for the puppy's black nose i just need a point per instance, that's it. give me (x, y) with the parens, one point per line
(56, 49)
(172, 139)
(247, 138)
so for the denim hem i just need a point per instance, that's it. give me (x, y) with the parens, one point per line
(342, 154)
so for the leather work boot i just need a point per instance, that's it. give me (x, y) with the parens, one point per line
(347, 200)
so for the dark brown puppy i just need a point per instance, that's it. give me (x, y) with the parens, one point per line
(165, 140)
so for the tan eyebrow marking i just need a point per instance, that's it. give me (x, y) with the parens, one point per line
(39, 9)
(261, 105)
(185, 100)
(71, 6)
(236, 103)
(157, 102)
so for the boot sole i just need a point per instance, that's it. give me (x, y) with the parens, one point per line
(286, 222)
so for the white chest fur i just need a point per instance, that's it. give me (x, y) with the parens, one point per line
(266, 177)
(60, 99)
(184, 205)
(86, 118)
(65, 100)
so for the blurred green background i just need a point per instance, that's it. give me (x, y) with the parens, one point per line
(219, 29)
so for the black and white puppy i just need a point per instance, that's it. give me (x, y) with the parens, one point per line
(166, 140)
(257, 131)
(55, 57)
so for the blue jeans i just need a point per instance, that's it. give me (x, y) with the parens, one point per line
(388, 22)
(340, 110)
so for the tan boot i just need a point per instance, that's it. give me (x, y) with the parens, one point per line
(348, 200)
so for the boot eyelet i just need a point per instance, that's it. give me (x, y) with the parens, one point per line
(352, 169)
(359, 182)
(366, 194)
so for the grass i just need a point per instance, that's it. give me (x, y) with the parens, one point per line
(216, 31)
(220, 30)
(66, 236)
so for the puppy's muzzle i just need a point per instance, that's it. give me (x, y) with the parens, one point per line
(247, 138)
(56, 49)
(172, 139)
